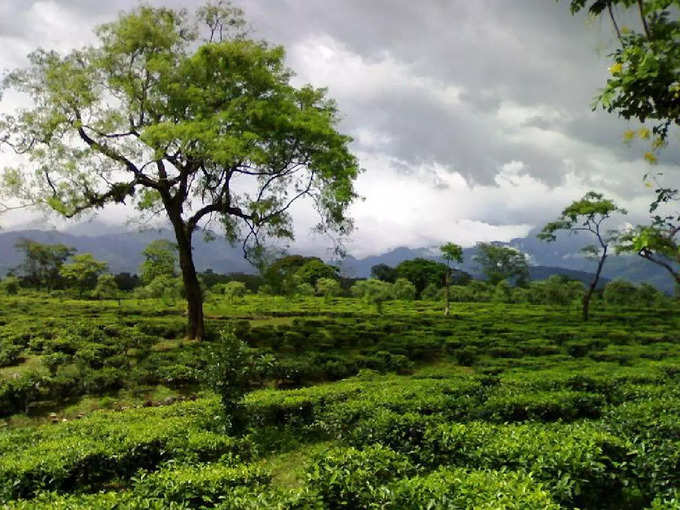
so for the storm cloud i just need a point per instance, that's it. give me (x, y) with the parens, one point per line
(472, 120)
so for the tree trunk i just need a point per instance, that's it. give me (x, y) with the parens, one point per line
(192, 288)
(593, 285)
(446, 293)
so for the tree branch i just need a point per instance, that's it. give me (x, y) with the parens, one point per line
(647, 254)
(611, 16)
(642, 17)
(140, 178)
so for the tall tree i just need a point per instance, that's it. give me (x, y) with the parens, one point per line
(194, 124)
(42, 262)
(280, 274)
(501, 263)
(315, 269)
(587, 215)
(384, 272)
(645, 85)
(422, 272)
(83, 271)
(160, 259)
(452, 254)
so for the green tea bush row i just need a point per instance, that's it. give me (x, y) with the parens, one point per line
(105, 446)
(576, 463)
(198, 486)
(378, 477)
(448, 488)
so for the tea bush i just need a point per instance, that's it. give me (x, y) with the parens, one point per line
(495, 406)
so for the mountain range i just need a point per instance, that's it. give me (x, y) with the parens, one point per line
(123, 251)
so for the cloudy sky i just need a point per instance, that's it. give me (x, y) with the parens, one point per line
(472, 120)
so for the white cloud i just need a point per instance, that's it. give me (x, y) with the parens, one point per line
(324, 61)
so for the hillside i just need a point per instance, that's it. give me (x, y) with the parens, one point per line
(122, 250)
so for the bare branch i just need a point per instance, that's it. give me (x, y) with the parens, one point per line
(611, 16)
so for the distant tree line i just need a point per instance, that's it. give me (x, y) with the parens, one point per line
(59, 268)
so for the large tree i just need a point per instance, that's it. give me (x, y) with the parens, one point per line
(83, 271)
(499, 263)
(42, 262)
(194, 124)
(587, 215)
(644, 85)
(422, 272)
(384, 273)
(452, 254)
(160, 259)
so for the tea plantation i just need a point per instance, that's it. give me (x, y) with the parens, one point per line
(103, 405)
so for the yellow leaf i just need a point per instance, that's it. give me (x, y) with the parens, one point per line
(650, 157)
(628, 135)
(643, 133)
(616, 68)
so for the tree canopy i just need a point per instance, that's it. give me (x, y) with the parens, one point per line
(502, 263)
(587, 214)
(645, 78)
(42, 262)
(644, 85)
(185, 118)
(422, 272)
(83, 271)
(160, 259)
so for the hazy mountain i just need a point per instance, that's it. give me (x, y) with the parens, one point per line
(123, 251)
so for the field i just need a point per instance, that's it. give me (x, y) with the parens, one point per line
(104, 405)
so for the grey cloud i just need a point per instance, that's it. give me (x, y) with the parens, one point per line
(531, 53)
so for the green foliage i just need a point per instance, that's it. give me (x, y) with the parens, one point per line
(373, 291)
(422, 272)
(106, 287)
(546, 410)
(555, 291)
(644, 85)
(502, 292)
(459, 488)
(282, 274)
(160, 260)
(620, 293)
(452, 253)
(314, 270)
(42, 262)
(587, 215)
(232, 370)
(10, 285)
(83, 271)
(328, 287)
(502, 263)
(384, 273)
(94, 450)
(163, 286)
(155, 116)
(305, 289)
(403, 289)
(198, 486)
(231, 290)
(644, 78)
(350, 478)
